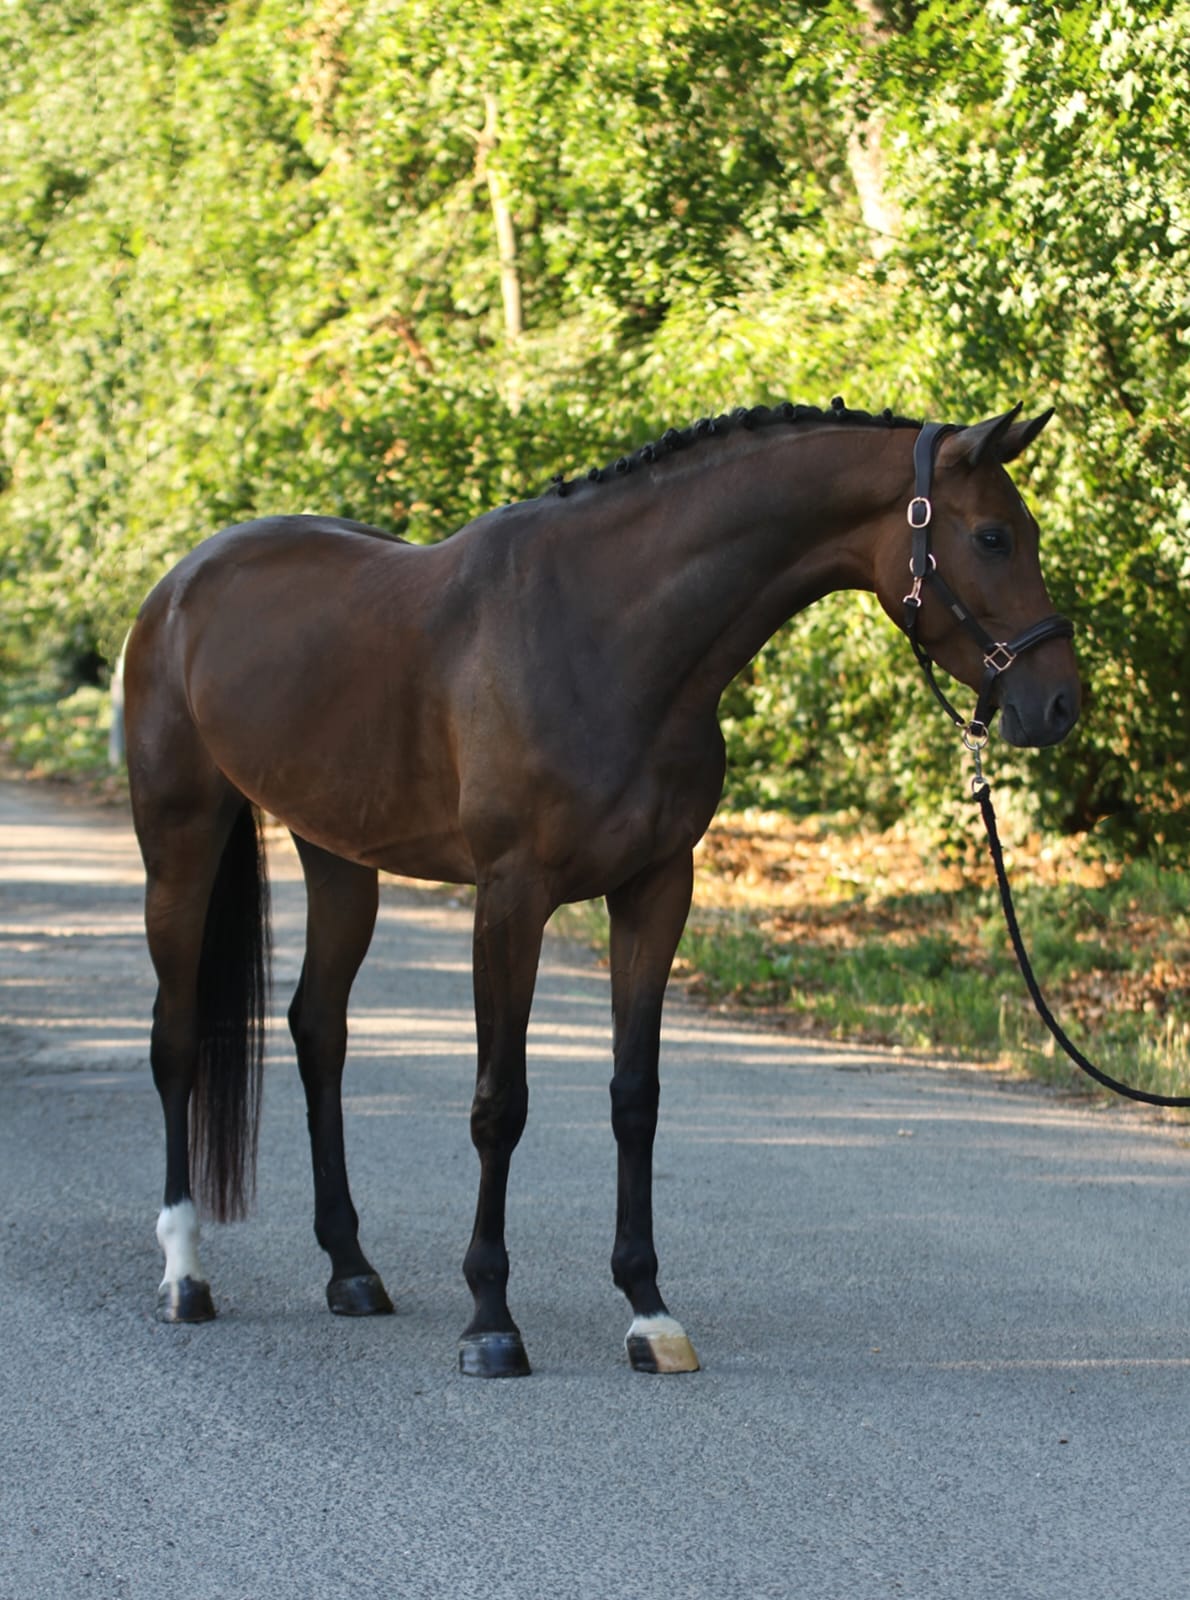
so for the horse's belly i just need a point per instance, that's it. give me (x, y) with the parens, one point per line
(396, 825)
(438, 856)
(441, 859)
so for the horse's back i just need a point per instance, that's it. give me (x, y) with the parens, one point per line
(282, 578)
(265, 548)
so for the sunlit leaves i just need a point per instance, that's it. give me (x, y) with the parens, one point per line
(248, 262)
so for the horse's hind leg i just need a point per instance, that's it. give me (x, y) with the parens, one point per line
(647, 916)
(174, 920)
(183, 852)
(341, 913)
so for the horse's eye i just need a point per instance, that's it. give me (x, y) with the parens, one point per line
(994, 541)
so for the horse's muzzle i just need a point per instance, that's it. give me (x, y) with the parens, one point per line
(1037, 716)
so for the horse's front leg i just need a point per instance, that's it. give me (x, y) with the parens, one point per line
(647, 917)
(509, 919)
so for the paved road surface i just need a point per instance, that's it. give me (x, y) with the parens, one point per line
(944, 1320)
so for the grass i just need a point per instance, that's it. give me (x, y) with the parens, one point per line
(839, 932)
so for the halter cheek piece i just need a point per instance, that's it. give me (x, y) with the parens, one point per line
(998, 656)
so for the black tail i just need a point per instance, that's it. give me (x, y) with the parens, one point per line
(233, 998)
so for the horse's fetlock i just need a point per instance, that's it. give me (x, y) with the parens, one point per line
(486, 1266)
(335, 1224)
(633, 1265)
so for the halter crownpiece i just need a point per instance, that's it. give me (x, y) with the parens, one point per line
(998, 654)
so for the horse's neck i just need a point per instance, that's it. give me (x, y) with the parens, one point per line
(697, 569)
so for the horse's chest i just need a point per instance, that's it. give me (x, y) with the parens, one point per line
(599, 834)
(589, 788)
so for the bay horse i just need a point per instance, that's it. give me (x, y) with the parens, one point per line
(529, 706)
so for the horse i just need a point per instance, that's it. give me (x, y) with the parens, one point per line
(529, 706)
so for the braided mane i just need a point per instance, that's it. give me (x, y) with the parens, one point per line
(677, 439)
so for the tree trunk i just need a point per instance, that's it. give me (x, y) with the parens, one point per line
(510, 281)
(865, 155)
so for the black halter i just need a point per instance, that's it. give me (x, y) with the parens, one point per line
(998, 656)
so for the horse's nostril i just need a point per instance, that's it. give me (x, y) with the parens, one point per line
(1061, 715)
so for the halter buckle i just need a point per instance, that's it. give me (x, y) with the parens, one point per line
(999, 658)
(913, 598)
(920, 512)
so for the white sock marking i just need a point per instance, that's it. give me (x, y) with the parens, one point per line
(662, 1327)
(177, 1234)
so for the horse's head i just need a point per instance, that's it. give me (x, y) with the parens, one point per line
(976, 600)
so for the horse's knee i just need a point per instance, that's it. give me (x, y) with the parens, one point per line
(498, 1115)
(635, 1099)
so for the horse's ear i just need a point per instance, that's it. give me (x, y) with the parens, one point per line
(999, 438)
(1020, 436)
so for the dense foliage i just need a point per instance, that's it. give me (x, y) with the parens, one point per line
(402, 260)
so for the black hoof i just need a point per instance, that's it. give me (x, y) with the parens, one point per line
(493, 1355)
(364, 1296)
(185, 1300)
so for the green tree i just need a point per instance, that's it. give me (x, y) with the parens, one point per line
(1050, 239)
(402, 261)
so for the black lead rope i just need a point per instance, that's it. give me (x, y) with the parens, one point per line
(998, 657)
(984, 795)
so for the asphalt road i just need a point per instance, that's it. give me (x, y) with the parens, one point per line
(944, 1319)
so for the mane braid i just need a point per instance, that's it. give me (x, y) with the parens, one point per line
(674, 440)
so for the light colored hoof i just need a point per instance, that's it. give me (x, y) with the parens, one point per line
(659, 1344)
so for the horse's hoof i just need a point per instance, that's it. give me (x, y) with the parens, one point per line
(364, 1296)
(659, 1344)
(493, 1355)
(185, 1300)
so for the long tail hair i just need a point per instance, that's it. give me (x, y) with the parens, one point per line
(233, 999)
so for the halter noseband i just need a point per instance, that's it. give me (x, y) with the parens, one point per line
(998, 656)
